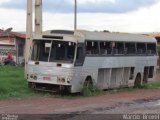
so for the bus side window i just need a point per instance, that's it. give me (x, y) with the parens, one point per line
(141, 48)
(79, 53)
(130, 48)
(92, 48)
(105, 48)
(118, 48)
(151, 48)
(79, 57)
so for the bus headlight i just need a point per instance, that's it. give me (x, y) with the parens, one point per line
(33, 77)
(69, 78)
(27, 76)
(61, 80)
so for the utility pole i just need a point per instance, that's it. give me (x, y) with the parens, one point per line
(28, 31)
(38, 17)
(75, 15)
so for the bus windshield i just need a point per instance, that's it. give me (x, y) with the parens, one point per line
(53, 51)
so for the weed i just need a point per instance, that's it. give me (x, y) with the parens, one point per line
(154, 85)
(91, 90)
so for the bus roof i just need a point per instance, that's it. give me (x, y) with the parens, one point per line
(110, 36)
(82, 35)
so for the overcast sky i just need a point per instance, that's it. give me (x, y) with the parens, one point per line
(112, 15)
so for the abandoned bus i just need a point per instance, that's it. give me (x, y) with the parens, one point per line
(68, 60)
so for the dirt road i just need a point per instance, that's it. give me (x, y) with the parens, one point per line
(49, 105)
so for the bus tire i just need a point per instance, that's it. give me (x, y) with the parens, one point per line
(88, 82)
(137, 83)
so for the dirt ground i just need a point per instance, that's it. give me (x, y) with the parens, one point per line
(114, 103)
(48, 105)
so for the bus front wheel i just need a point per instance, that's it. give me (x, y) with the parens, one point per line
(88, 82)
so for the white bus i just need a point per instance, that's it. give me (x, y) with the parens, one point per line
(68, 60)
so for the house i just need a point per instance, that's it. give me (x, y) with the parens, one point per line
(13, 42)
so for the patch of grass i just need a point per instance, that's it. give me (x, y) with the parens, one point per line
(91, 90)
(154, 85)
(119, 90)
(13, 83)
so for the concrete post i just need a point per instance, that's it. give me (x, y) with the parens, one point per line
(38, 17)
(28, 31)
(75, 15)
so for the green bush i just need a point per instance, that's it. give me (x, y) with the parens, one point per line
(91, 90)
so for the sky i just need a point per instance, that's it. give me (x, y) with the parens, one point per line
(132, 16)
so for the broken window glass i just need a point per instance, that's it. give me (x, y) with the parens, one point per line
(62, 51)
(44, 50)
(92, 47)
(40, 50)
(141, 48)
(130, 48)
(105, 48)
(118, 48)
(151, 48)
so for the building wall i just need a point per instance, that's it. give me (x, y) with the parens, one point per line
(14, 45)
(7, 44)
(20, 48)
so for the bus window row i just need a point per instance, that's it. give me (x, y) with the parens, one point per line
(119, 48)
